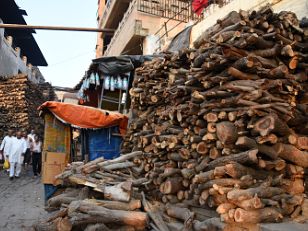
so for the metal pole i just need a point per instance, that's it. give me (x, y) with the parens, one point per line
(19, 26)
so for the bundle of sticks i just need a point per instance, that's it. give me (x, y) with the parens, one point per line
(224, 125)
(19, 100)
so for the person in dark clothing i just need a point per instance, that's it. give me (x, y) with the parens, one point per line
(36, 149)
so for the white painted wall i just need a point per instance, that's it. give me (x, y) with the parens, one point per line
(300, 7)
(11, 63)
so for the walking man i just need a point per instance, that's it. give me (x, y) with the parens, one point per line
(28, 140)
(16, 155)
(36, 156)
(7, 144)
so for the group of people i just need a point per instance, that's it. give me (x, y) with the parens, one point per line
(20, 149)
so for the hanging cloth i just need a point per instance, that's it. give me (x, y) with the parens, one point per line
(199, 5)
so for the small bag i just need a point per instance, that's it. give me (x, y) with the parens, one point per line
(6, 164)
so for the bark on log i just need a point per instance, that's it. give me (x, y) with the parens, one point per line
(249, 157)
(262, 148)
(226, 132)
(121, 158)
(97, 227)
(116, 205)
(103, 215)
(272, 123)
(257, 216)
(292, 154)
(261, 192)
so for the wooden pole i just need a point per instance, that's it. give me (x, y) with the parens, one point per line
(19, 26)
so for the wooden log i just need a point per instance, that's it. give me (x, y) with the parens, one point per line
(300, 142)
(250, 204)
(226, 132)
(103, 215)
(171, 185)
(236, 170)
(118, 166)
(241, 75)
(68, 197)
(202, 148)
(243, 157)
(292, 154)
(120, 159)
(271, 123)
(243, 182)
(278, 164)
(271, 138)
(62, 213)
(117, 205)
(211, 117)
(154, 214)
(119, 192)
(261, 192)
(208, 225)
(221, 189)
(214, 153)
(45, 226)
(225, 207)
(204, 177)
(211, 127)
(91, 166)
(293, 187)
(257, 216)
(249, 143)
(183, 214)
(97, 227)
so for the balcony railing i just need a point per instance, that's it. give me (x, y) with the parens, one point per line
(172, 9)
(131, 7)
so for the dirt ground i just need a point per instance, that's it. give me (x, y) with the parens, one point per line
(21, 201)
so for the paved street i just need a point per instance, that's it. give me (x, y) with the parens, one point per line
(21, 202)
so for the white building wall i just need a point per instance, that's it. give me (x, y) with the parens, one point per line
(12, 64)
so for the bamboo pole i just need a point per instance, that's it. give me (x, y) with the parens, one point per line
(86, 29)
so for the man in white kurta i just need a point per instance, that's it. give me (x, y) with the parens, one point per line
(16, 155)
(6, 144)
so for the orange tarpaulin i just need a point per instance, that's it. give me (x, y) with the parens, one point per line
(86, 117)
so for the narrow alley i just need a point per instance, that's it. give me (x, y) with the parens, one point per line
(22, 202)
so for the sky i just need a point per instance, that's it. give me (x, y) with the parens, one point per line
(68, 53)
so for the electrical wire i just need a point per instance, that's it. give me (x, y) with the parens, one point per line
(70, 59)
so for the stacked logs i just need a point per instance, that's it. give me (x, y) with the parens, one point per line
(99, 195)
(224, 125)
(218, 128)
(19, 100)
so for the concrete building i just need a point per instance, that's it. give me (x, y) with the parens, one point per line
(141, 26)
(19, 52)
(214, 12)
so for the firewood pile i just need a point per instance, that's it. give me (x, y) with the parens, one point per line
(218, 137)
(224, 125)
(111, 199)
(19, 100)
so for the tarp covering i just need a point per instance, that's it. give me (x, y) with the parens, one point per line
(115, 65)
(181, 40)
(86, 117)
